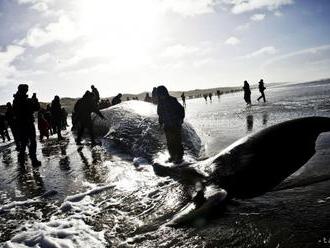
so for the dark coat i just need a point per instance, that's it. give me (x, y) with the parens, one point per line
(170, 112)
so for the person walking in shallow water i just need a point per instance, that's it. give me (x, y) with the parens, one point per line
(4, 128)
(183, 97)
(56, 111)
(171, 115)
(262, 90)
(24, 109)
(247, 93)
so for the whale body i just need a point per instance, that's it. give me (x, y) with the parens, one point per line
(248, 168)
(257, 163)
(254, 164)
(133, 126)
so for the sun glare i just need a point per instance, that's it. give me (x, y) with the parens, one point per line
(123, 31)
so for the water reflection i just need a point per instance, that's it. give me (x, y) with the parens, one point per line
(7, 159)
(265, 117)
(249, 123)
(92, 169)
(29, 181)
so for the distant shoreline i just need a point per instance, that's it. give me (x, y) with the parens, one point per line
(68, 102)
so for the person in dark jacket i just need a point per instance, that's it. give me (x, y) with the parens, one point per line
(64, 119)
(247, 92)
(171, 115)
(24, 109)
(83, 109)
(183, 97)
(43, 125)
(262, 90)
(56, 112)
(116, 100)
(11, 120)
(147, 98)
(154, 95)
(4, 128)
(96, 93)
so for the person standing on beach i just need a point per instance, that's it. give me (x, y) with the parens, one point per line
(96, 93)
(247, 93)
(24, 109)
(56, 111)
(171, 115)
(83, 110)
(4, 128)
(183, 97)
(262, 90)
(147, 98)
(11, 120)
(154, 95)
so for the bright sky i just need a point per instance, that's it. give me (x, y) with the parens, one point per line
(63, 46)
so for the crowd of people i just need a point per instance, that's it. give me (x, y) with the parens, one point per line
(19, 117)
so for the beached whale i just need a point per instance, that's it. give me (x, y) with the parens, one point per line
(254, 164)
(250, 167)
(133, 126)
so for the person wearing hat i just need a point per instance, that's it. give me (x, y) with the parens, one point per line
(171, 115)
(24, 108)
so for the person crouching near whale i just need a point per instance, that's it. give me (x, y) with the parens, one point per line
(171, 114)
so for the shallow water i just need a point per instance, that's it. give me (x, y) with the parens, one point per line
(96, 197)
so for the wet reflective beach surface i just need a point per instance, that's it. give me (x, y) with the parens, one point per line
(98, 197)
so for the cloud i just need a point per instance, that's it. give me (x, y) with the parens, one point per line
(64, 30)
(7, 57)
(269, 50)
(232, 41)
(242, 6)
(308, 51)
(278, 13)
(179, 51)
(258, 17)
(189, 8)
(42, 58)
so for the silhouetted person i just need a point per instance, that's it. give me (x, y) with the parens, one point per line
(96, 93)
(183, 97)
(210, 96)
(262, 90)
(24, 109)
(247, 92)
(64, 119)
(83, 109)
(171, 115)
(4, 128)
(154, 95)
(205, 97)
(116, 100)
(49, 119)
(218, 93)
(43, 125)
(147, 98)
(11, 120)
(56, 111)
